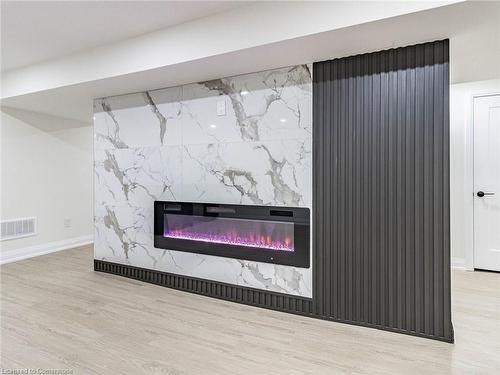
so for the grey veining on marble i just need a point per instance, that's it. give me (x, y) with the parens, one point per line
(170, 144)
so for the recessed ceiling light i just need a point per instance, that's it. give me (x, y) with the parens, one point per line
(282, 119)
(213, 126)
(244, 92)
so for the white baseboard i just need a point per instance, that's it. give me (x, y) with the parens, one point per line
(458, 263)
(46, 248)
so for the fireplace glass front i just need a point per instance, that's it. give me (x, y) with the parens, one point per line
(272, 235)
(277, 235)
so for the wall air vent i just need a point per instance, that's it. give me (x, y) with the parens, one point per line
(18, 228)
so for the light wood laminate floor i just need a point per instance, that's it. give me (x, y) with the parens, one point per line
(57, 313)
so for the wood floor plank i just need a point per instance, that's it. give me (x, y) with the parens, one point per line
(56, 312)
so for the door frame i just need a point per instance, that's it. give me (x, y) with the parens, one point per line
(469, 183)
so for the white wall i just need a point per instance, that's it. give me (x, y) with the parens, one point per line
(46, 171)
(461, 187)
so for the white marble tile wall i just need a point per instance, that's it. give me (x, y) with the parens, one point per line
(171, 144)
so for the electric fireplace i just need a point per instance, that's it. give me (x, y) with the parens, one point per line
(279, 235)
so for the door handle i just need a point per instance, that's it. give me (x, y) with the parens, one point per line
(481, 194)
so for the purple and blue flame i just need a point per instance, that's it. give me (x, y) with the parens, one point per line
(265, 242)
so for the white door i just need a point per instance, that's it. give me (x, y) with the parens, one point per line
(487, 182)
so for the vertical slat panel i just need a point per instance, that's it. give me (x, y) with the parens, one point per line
(347, 202)
(332, 171)
(318, 151)
(376, 177)
(340, 189)
(365, 213)
(327, 118)
(409, 177)
(418, 184)
(357, 216)
(438, 190)
(382, 188)
(447, 325)
(381, 185)
(401, 186)
(394, 255)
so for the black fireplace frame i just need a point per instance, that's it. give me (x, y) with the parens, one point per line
(299, 216)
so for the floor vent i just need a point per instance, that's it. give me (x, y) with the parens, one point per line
(18, 228)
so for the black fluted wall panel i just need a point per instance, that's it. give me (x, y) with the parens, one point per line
(381, 190)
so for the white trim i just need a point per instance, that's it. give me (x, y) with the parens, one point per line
(469, 183)
(47, 248)
(469, 189)
(16, 237)
(458, 263)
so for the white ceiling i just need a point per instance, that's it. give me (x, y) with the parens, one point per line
(35, 31)
(473, 29)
